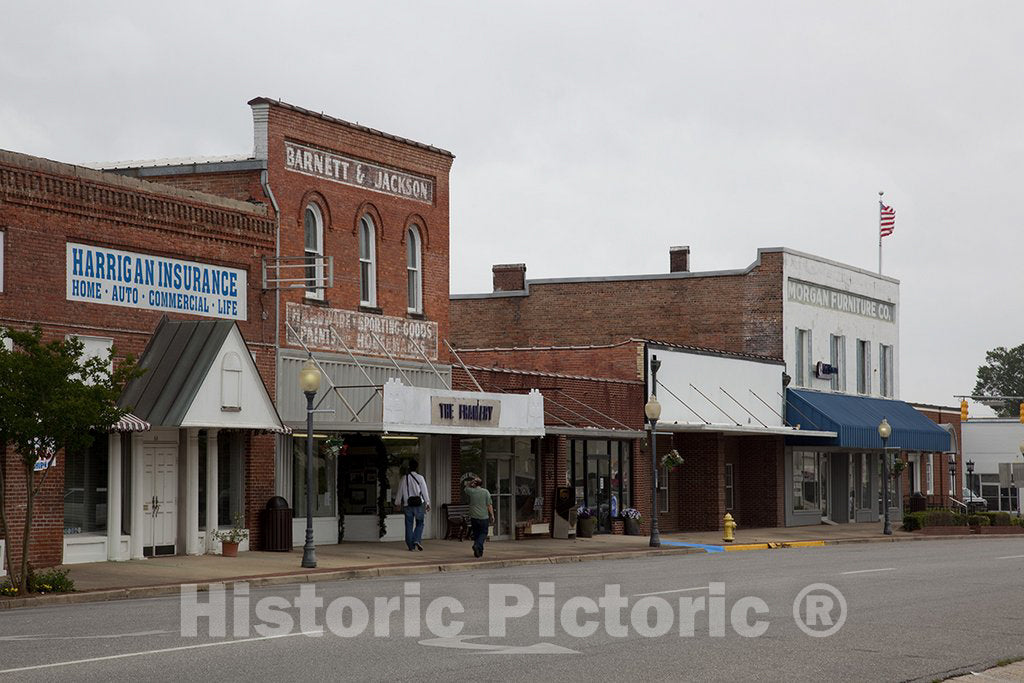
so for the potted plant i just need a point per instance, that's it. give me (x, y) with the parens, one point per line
(631, 519)
(230, 538)
(586, 522)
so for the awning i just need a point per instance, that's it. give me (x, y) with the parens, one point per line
(129, 423)
(855, 420)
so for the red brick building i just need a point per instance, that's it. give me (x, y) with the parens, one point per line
(814, 457)
(83, 254)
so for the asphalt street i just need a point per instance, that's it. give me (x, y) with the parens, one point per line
(913, 611)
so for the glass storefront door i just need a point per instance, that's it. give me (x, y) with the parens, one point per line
(498, 480)
(598, 492)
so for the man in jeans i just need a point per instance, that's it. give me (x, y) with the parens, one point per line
(413, 498)
(481, 513)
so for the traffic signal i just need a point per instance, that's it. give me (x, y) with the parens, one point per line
(963, 410)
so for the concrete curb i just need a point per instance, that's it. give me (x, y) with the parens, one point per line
(317, 576)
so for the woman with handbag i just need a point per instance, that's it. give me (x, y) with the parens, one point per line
(414, 500)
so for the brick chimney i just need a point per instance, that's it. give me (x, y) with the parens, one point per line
(509, 277)
(679, 259)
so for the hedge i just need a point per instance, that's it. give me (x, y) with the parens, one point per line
(918, 520)
(979, 520)
(998, 518)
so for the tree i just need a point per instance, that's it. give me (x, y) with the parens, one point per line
(53, 398)
(1002, 375)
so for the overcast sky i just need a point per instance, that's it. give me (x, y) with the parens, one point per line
(592, 136)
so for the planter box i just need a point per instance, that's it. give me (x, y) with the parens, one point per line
(632, 527)
(585, 527)
(997, 530)
(944, 531)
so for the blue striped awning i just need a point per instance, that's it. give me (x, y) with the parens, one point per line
(856, 418)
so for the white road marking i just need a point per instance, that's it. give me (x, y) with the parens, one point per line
(1010, 557)
(157, 652)
(43, 636)
(459, 643)
(867, 571)
(678, 590)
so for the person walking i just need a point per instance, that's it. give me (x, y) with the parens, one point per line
(414, 499)
(481, 513)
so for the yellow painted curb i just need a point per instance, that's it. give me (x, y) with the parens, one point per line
(775, 544)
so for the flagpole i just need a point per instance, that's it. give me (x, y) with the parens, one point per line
(880, 232)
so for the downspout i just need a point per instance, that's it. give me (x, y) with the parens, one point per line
(265, 183)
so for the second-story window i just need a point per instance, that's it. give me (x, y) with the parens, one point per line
(803, 357)
(838, 361)
(863, 367)
(367, 263)
(414, 267)
(885, 370)
(314, 251)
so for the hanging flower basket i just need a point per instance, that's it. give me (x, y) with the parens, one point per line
(672, 460)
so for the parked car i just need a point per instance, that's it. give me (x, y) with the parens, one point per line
(974, 502)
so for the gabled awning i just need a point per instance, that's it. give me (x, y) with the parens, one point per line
(129, 423)
(855, 420)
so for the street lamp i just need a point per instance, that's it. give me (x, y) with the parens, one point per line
(653, 411)
(970, 484)
(309, 382)
(885, 431)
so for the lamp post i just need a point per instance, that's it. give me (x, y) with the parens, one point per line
(309, 382)
(885, 431)
(653, 411)
(970, 485)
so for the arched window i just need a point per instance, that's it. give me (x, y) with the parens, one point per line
(414, 267)
(367, 263)
(314, 251)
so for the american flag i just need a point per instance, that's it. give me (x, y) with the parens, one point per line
(886, 220)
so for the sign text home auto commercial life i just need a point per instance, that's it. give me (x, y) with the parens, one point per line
(122, 278)
(348, 171)
(836, 300)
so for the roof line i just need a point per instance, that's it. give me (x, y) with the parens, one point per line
(541, 373)
(349, 124)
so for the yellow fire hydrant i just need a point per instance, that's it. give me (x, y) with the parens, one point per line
(728, 529)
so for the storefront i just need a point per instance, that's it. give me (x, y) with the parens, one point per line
(377, 416)
(600, 471)
(173, 471)
(840, 479)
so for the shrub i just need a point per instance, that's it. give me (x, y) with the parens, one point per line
(978, 520)
(998, 518)
(914, 521)
(54, 580)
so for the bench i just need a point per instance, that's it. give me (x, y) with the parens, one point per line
(458, 521)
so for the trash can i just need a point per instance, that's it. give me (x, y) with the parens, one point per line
(277, 525)
(918, 503)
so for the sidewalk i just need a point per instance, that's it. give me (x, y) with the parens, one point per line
(164, 575)
(1008, 672)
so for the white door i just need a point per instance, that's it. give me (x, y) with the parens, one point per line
(159, 499)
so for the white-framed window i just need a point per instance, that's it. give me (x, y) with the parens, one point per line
(837, 358)
(885, 370)
(314, 250)
(803, 357)
(729, 492)
(95, 347)
(863, 367)
(414, 268)
(929, 474)
(367, 262)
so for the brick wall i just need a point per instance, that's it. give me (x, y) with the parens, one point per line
(623, 360)
(342, 206)
(241, 185)
(734, 312)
